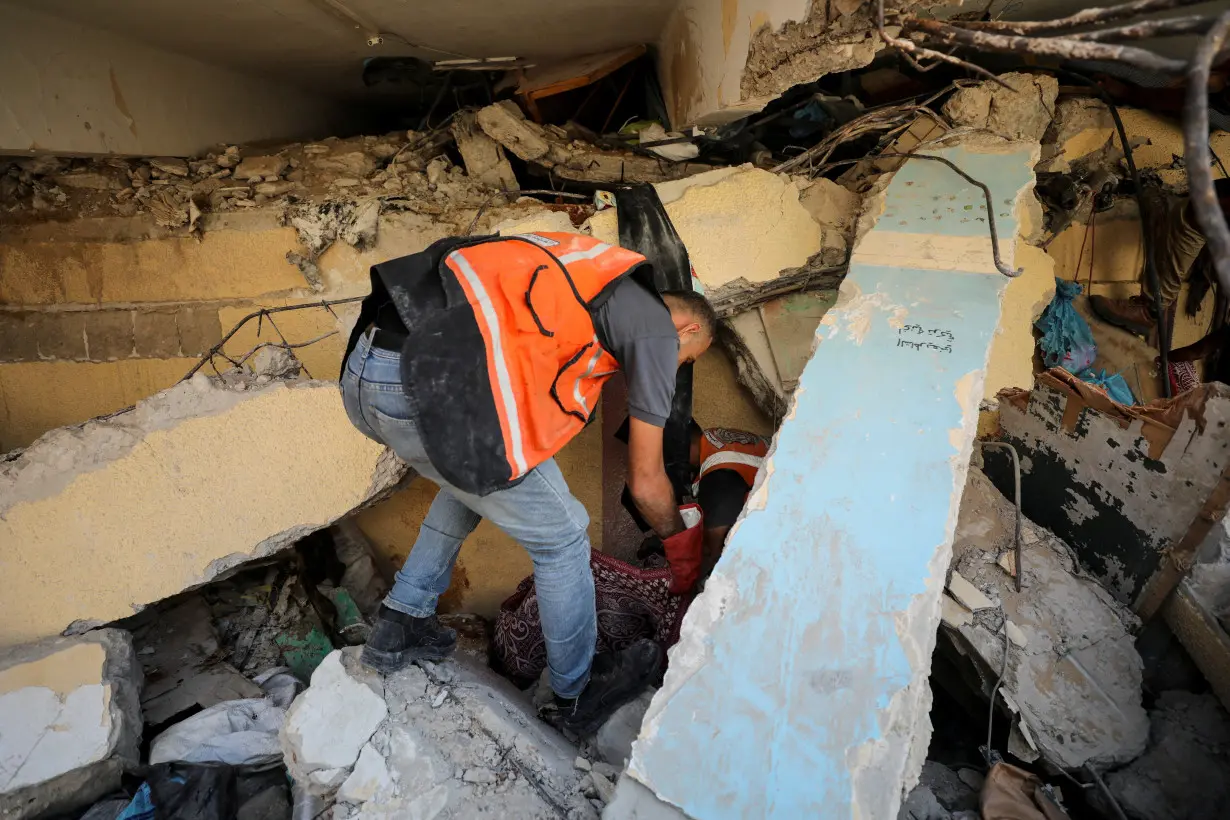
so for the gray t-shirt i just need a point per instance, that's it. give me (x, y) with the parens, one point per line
(636, 328)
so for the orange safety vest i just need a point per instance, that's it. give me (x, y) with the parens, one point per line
(725, 449)
(503, 363)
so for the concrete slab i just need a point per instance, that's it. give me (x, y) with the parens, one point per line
(70, 722)
(121, 512)
(812, 642)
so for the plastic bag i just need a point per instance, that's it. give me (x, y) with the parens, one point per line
(1115, 385)
(281, 687)
(236, 732)
(1066, 341)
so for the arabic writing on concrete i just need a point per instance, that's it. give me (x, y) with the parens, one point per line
(925, 338)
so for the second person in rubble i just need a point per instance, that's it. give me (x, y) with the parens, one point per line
(476, 361)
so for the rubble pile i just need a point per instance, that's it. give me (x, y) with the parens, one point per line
(1073, 678)
(449, 739)
(1182, 776)
(176, 192)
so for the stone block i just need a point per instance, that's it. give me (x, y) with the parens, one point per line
(109, 335)
(451, 738)
(614, 739)
(18, 339)
(198, 330)
(328, 724)
(257, 168)
(157, 335)
(61, 335)
(70, 722)
(144, 490)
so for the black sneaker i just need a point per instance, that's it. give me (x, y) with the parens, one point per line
(615, 679)
(398, 639)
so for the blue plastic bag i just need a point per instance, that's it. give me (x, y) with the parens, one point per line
(1115, 386)
(1066, 341)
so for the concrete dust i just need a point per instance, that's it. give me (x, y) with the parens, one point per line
(1075, 685)
(1182, 776)
(450, 739)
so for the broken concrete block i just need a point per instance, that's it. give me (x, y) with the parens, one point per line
(481, 749)
(949, 789)
(1073, 670)
(275, 362)
(953, 614)
(369, 780)
(1022, 114)
(922, 804)
(171, 166)
(504, 123)
(1182, 775)
(144, 488)
(328, 724)
(968, 595)
(483, 157)
(70, 722)
(89, 181)
(741, 229)
(257, 168)
(614, 739)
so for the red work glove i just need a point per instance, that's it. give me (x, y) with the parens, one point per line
(684, 550)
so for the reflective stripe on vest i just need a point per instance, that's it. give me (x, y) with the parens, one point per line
(722, 458)
(507, 398)
(532, 299)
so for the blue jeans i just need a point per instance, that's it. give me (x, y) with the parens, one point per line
(539, 513)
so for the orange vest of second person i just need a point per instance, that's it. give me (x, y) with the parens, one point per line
(532, 298)
(724, 449)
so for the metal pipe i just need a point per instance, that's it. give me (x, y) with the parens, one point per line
(1016, 473)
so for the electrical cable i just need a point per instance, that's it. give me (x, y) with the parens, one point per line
(1163, 329)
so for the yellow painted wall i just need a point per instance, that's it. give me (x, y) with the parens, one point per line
(121, 534)
(39, 396)
(239, 266)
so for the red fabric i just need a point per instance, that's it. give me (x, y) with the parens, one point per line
(684, 551)
(632, 604)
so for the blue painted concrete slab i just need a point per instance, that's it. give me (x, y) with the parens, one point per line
(787, 695)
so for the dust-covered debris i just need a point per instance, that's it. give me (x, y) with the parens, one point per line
(1182, 776)
(1024, 113)
(1074, 687)
(836, 211)
(483, 157)
(230, 178)
(551, 148)
(448, 739)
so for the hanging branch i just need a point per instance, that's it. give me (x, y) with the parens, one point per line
(909, 50)
(1083, 18)
(1175, 26)
(1062, 48)
(1196, 151)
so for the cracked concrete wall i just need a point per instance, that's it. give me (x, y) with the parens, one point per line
(720, 61)
(100, 520)
(812, 641)
(1119, 489)
(68, 88)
